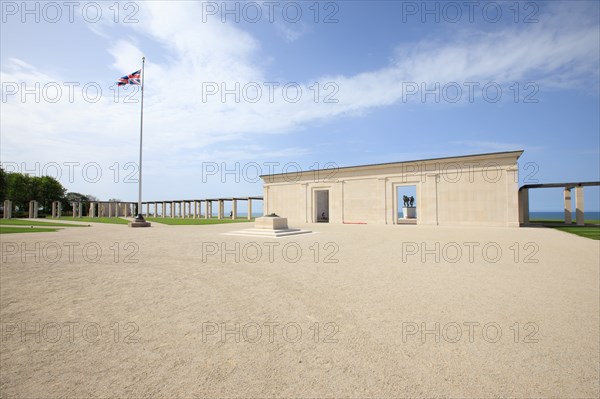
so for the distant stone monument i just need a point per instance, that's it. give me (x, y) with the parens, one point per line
(271, 225)
(7, 209)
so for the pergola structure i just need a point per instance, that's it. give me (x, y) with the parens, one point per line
(172, 208)
(194, 209)
(579, 211)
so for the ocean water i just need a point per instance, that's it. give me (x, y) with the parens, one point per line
(589, 215)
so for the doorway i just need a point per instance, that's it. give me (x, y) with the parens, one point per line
(406, 204)
(322, 206)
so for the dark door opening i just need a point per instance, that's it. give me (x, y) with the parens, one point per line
(322, 206)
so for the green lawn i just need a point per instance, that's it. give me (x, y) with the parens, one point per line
(590, 230)
(179, 222)
(27, 222)
(96, 220)
(12, 230)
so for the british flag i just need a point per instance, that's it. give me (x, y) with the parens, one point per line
(131, 79)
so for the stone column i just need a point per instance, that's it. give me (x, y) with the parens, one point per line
(79, 209)
(164, 210)
(579, 216)
(110, 212)
(524, 206)
(92, 209)
(33, 209)
(74, 205)
(249, 208)
(567, 195)
(220, 210)
(208, 210)
(184, 209)
(234, 209)
(53, 209)
(117, 206)
(7, 209)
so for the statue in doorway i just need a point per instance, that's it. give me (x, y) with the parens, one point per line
(406, 200)
(412, 201)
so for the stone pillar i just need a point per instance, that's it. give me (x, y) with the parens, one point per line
(53, 209)
(234, 209)
(92, 213)
(249, 208)
(33, 209)
(220, 210)
(79, 209)
(172, 210)
(184, 209)
(524, 206)
(7, 209)
(208, 210)
(164, 210)
(579, 216)
(117, 206)
(74, 205)
(567, 195)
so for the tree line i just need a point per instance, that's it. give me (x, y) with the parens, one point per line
(21, 188)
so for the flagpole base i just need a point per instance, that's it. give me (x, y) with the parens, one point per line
(139, 222)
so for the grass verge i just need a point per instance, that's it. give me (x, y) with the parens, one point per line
(12, 230)
(96, 220)
(29, 222)
(590, 230)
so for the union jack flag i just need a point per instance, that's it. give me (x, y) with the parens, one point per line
(131, 79)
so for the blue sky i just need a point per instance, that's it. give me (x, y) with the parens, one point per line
(366, 56)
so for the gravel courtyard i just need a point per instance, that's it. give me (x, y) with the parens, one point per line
(349, 311)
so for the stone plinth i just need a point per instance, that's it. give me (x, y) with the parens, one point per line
(269, 227)
(409, 212)
(140, 224)
(271, 223)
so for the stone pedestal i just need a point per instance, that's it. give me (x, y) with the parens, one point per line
(140, 224)
(269, 227)
(7, 209)
(409, 212)
(271, 223)
(33, 209)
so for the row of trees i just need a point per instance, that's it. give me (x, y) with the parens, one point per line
(21, 188)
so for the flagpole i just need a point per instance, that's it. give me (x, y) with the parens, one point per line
(140, 217)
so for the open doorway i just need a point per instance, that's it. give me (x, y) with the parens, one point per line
(406, 204)
(322, 206)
